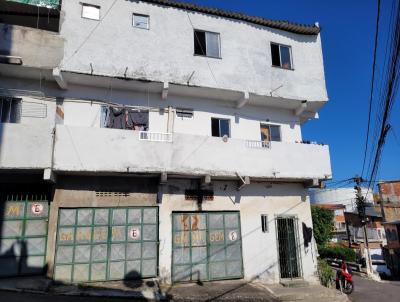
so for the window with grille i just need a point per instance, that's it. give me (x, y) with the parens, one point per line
(10, 110)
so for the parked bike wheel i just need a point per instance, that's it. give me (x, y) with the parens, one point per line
(348, 287)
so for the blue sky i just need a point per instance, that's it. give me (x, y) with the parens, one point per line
(347, 39)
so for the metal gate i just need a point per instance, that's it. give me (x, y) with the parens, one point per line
(206, 246)
(289, 258)
(99, 244)
(23, 238)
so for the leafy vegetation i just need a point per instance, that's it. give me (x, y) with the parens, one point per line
(337, 251)
(323, 224)
(326, 273)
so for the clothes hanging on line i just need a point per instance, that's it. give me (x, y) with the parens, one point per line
(124, 118)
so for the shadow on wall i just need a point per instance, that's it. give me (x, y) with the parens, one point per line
(22, 240)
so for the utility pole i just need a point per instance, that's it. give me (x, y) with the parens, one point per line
(364, 220)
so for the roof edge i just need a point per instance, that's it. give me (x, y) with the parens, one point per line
(292, 27)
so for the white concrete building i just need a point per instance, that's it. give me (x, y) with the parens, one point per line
(157, 139)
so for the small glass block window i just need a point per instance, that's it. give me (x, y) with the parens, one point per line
(141, 21)
(90, 11)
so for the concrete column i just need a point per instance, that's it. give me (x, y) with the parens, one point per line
(171, 119)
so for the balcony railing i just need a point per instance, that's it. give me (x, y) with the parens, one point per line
(155, 136)
(258, 144)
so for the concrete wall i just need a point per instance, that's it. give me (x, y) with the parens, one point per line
(344, 196)
(244, 123)
(83, 149)
(260, 251)
(25, 146)
(37, 48)
(165, 51)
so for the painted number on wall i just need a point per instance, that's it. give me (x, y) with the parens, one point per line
(134, 233)
(232, 236)
(37, 208)
(217, 236)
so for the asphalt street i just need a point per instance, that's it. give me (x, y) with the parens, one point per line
(366, 290)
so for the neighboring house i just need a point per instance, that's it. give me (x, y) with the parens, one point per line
(341, 196)
(340, 231)
(389, 205)
(157, 139)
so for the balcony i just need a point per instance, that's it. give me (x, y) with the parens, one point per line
(25, 147)
(79, 149)
(30, 47)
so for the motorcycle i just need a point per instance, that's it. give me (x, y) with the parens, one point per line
(344, 279)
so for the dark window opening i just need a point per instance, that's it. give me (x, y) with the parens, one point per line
(276, 61)
(10, 110)
(220, 127)
(200, 43)
(270, 133)
(207, 44)
(264, 223)
(281, 56)
(184, 113)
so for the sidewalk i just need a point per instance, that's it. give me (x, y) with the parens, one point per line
(150, 290)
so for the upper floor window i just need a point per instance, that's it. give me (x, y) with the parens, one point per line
(207, 44)
(270, 133)
(220, 127)
(281, 56)
(141, 21)
(90, 11)
(10, 110)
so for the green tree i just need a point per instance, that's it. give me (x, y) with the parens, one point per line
(323, 224)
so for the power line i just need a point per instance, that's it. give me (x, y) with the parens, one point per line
(372, 83)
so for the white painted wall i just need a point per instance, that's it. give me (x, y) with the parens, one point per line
(244, 123)
(25, 146)
(260, 253)
(93, 149)
(33, 117)
(165, 52)
(345, 196)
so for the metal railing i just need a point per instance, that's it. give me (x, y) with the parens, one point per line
(258, 144)
(155, 136)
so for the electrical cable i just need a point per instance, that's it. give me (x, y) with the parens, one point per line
(372, 83)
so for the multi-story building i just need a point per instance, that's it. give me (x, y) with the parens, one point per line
(157, 139)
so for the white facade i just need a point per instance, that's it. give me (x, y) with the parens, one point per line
(344, 196)
(109, 62)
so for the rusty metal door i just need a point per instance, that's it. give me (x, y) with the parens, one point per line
(100, 244)
(206, 246)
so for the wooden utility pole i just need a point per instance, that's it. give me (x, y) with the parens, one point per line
(364, 220)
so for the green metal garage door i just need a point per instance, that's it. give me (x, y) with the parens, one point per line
(99, 244)
(206, 246)
(23, 238)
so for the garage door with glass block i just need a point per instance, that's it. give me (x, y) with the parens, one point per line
(206, 246)
(100, 244)
(23, 237)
